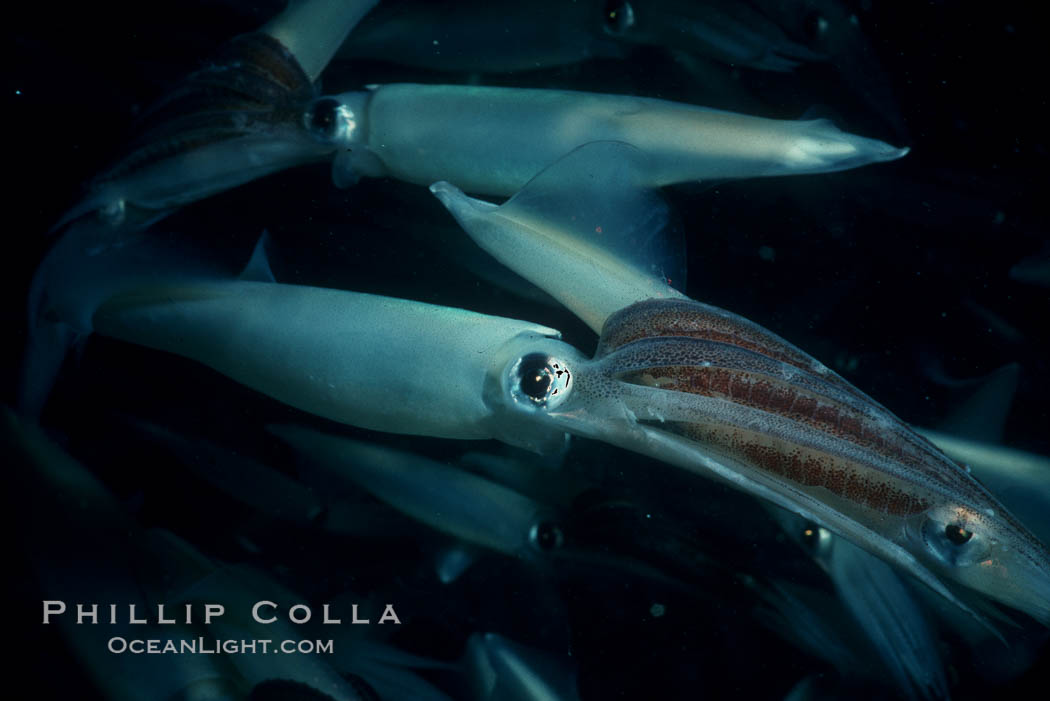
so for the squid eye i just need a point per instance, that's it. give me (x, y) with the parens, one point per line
(536, 384)
(330, 121)
(540, 380)
(811, 534)
(618, 17)
(957, 535)
(953, 543)
(816, 539)
(546, 536)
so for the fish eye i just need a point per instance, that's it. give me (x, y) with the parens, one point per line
(618, 17)
(330, 121)
(956, 534)
(540, 380)
(546, 536)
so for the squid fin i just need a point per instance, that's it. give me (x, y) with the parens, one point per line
(258, 267)
(585, 230)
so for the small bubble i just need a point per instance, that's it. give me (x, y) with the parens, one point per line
(657, 610)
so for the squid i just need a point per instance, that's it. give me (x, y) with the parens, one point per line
(1020, 479)
(235, 120)
(465, 506)
(499, 668)
(881, 605)
(105, 562)
(114, 559)
(687, 383)
(486, 140)
(492, 140)
(711, 392)
(255, 110)
(482, 36)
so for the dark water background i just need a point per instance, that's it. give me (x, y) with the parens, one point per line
(895, 275)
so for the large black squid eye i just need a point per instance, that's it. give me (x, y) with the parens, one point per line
(330, 121)
(546, 536)
(811, 535)
(816, 540)
(536, 383)
(618, 17)
(540, 380)
(946, 536)
(957, 535)
(322, 116)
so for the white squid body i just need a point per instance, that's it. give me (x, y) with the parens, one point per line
(313, 30)
(375, 362)
(456, 502)
(494, 140)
